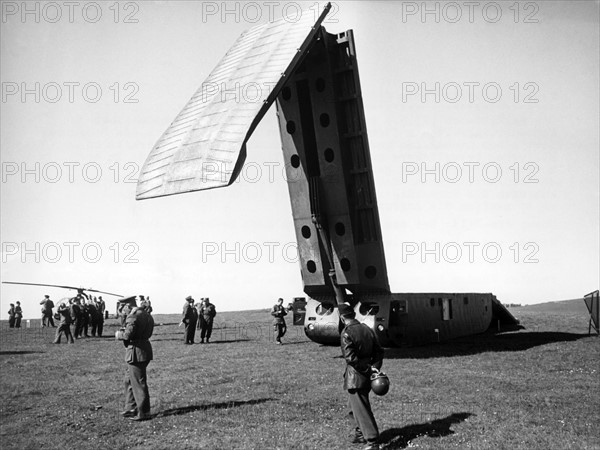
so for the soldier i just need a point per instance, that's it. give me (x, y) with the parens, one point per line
(85, 316)
(207, 317)
(147, 300)
(362, 352)
(138, 329)
(278, 312)
(47, 305)
(189, 318)
(18, 315)
(76, 316)
(199, 309)
(93, 314)
(64, 325)
(100, 307)
(124, 308)
(11, 316)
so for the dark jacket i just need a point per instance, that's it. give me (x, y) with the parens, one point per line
(208, 312)
(47, 306)
(139, 326)
(65, 314)
(278, 312)
(361, 350)
(190, 315)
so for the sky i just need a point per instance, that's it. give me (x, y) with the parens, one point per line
(483, 124)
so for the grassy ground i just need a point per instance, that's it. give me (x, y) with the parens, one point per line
(532, 389)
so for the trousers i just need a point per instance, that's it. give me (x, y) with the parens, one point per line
(358, 400)
(137, 395)
(65, 329)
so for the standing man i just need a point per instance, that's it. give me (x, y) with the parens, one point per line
(199, 306)
(207, 317)
(139, 326)
(189, 318)
(101, 305)
(76, 317)
(18, 315)
(11, 316)
(278, 312)
(64, 327)
(362, 352)
(47, 305)
(93, 316)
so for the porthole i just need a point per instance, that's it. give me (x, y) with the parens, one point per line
(290, 127)
(295, 161)
(345, 263)
(370, 272)
(306, 232)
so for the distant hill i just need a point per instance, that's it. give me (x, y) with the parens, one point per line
(564, 306)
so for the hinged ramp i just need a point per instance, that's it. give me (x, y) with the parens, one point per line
(204, 147)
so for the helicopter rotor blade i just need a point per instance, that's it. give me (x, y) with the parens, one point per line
(60, 286)
(103, 292)
(40, 284)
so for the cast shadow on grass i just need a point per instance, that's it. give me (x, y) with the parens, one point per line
(210, 407)
(396, 438)
(18, 352)
(481, 343)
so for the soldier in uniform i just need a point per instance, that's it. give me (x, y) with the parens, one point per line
(85, 317)
(93, 315)
(189, 318)
(100, 307)
(18, 315)
(138, 329)
(47, 305)
(199, 306)
(278, 312)
(124, 308)
(76, 317)
(207, 317)
(64, 327)
(11, 316)
(362, 352)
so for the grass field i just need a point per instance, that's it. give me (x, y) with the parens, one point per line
(533, 389)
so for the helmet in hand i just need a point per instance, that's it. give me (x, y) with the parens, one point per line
(380, 383)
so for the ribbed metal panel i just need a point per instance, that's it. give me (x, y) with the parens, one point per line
(204, 147)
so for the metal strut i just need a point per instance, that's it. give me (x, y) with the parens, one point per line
(316, 217)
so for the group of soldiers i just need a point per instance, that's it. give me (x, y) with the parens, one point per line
(199, 315)
(360, 349)
(15, 314)
(84, 314)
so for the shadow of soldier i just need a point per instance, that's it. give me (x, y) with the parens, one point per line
(210, 406)
(395, 438)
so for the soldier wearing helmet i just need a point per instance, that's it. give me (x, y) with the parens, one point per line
(363, 356)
